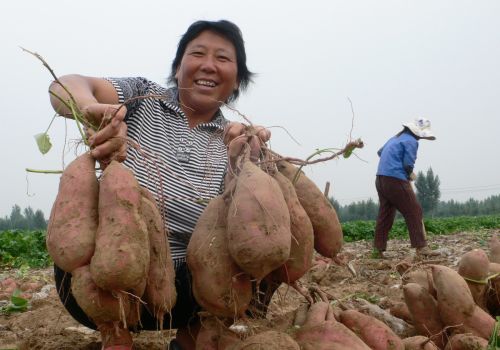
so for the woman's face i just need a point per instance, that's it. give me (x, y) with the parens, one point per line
(207, 74)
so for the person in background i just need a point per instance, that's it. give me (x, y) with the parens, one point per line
(184, 127)
(393, 183)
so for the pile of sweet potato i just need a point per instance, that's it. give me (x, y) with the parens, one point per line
(264, 226)
(455, 308)
(320, 327)
(109, 235)
(447, 310)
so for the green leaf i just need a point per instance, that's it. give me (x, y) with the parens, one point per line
(17, 301)
(17, 304)
(348, 151)
(43, 142)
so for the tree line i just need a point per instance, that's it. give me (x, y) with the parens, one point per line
(428, 194)
(26, 219)
(427, 191)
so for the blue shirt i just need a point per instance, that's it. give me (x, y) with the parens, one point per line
(397, 156)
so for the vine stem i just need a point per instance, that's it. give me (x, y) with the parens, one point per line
(29, 170)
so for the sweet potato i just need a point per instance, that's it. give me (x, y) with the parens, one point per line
(322, 332)
(73, 220)
(160, 294)
(480, 323)
(214, 335)
(421, 276)
(302, 243)
(258, 223)
(374, 333)
(456, 305)
(400, 310)
(268, 340)
(424, 312)
(419, 342)
(99, 305)
(397, 325)
(466, 342)
(455, 302)
(121, 258)
(474, 268)
(493, 294)
(219, 285)
(494, 245)
(328, 234)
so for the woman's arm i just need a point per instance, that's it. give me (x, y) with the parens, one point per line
(409, 156)
(97, 99)
(86, 91)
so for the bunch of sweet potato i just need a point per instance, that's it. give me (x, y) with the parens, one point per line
(263, 227)
(455, 308)
(321, 327)
(109, 235)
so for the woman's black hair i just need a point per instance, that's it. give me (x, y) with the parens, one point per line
(229, 31)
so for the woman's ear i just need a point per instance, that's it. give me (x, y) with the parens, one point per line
(236, 86)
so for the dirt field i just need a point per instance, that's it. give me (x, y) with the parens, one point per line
(46, 325)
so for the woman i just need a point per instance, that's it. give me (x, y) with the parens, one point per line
(181, 129)
(395, 171)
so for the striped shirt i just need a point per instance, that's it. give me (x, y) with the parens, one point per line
(182, 167)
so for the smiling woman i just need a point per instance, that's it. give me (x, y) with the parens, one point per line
(207, 76)
(179, 153)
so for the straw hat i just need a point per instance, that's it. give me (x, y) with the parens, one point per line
(421, 127)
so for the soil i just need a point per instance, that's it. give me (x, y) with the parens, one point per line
(46, 324)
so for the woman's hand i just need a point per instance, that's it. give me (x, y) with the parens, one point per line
(237, 136)
(255, 136)
(109, 141)
(235, 129)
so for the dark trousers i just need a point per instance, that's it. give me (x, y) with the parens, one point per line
(395, 194)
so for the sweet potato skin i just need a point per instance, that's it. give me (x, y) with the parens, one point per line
(160, 294)
(302, 242)
(419, 342)
(494, 245)
(466, 342)
(73, 220)
(456, 305)
(258, 223)
(424, 312)
(474, 266)
(493, 294)
(328, 236)
(322, 332)
(121, 258)
(376, 334)
(400, 310)
(208, 258)
(214, 335)
(271, 340)
(98, 304)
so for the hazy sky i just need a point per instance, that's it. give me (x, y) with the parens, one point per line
(394, 60)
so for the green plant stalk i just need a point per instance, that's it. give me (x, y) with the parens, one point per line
(493, 342)
(79, 119)
(29, 170)
(50, 124)
(485, 281)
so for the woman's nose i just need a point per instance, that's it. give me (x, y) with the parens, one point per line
(208, 64)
